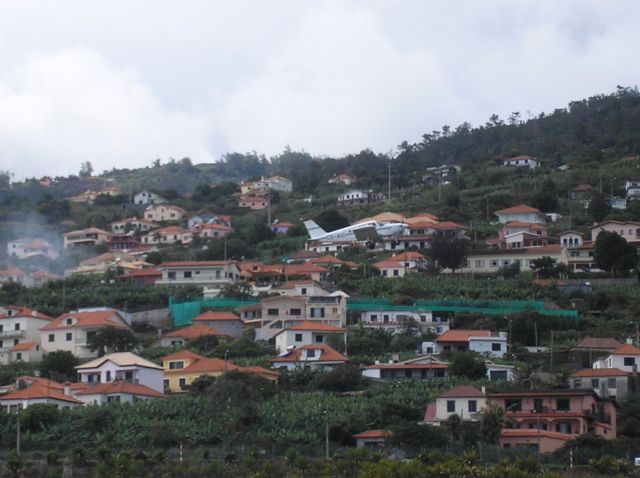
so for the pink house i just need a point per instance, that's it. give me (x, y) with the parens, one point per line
(548, 418)
(628, 229)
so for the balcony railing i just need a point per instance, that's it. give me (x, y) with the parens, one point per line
(12, 333)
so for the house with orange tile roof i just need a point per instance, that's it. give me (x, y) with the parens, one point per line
(25, 352)
(308, 333)
(73, 330)
(121, 366)
(132, 224)
(281, 312)
(227, 323)
(480, 341)
(521, 213)
(626, 357)
(281, 227)
(168, 235)
(465, 401)
(419, 368)
(522, 161)
(344, 179)
(181, 336)
(89, 237)
(395, 319)
(372, 438)
(27, 247)
(255, 203)
(118, 391)
(211, 231)
(393, 267)
(628, 230)
(164, 213)
(183, 367)
(304, 287)
(315, 357)
(214, 274)
(34, 393)
(597, 344)
(547, 419)
(606, 382)
(20, 326)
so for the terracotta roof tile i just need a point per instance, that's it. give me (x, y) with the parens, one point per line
(211, 315)
(626, 349)
(97, 318)
(313, 326)
(459, 335)
(600, 372)
(191, 332)
(462, 391)
(327, 354)
(374, 434)
(37, 390)
(23, 346)
(120, 387)
(604, 343)
(519, 209)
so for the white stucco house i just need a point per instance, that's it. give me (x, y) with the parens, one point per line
(464, 400)
(147, 197)
(623, 358)
(307, 333)
(123, 366)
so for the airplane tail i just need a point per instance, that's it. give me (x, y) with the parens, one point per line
(314, 230)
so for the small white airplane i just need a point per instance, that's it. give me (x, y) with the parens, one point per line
(364, 231)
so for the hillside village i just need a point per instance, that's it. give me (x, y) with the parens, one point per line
(523, 314)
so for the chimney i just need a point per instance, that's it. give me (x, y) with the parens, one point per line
(483, 389)
(67, 389)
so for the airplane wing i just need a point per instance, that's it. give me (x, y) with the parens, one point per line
(366, 233)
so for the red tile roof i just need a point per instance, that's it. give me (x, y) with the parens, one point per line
(459, 335)
(211, 315)
(191, 332)
(208, 365)
(600, 372)
(583, 187)
(23, 346)
(26, 312)
(326, 260)
(519, 209)
(603, 343)
(182, 354)
(121, 387)
(327, 354)
(197, 263)
(374, 434)
(37, 390)
(462, 391)
(316, 326)
(626, 349)
(97, 318)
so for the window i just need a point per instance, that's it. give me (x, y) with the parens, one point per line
(108, 377)
(577, 383)
(505, 262)
(374, 317)
(611, 383)
(496, 347)
(311, 353)
(595, 383)
(166, 384)
(273, 311)
(217, 274)
(17, 326)
(473, 406)
(16, 341)
(563, 427)
(68, 337)
(494, 263)
(187, 274)
(513, 404)
(171, 274)
(319, 338)
(114, 398)
(303, 291)
(52, 337)
(451, 406)
(69, 321)
(295, 311)
(19, 356)
(128, 375)
(563, 404)
(480, 264)
(176, 365)
(384, 273)
(298, 338)
(317, 312)
(629, 361)
(182, 383)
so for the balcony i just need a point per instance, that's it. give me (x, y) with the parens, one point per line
(12, 333)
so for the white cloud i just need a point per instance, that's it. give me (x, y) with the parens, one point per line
(117, 83)
(65, 107)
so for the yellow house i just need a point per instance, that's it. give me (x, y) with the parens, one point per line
(182, 368)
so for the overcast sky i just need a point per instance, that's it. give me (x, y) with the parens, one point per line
(120, 83)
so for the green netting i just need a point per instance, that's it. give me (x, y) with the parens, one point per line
(184, 312)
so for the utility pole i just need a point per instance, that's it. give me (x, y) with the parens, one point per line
(389, 181)
(551, 354)
(225, 247)
(269, 208)
(326, 435)
(18, 436)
